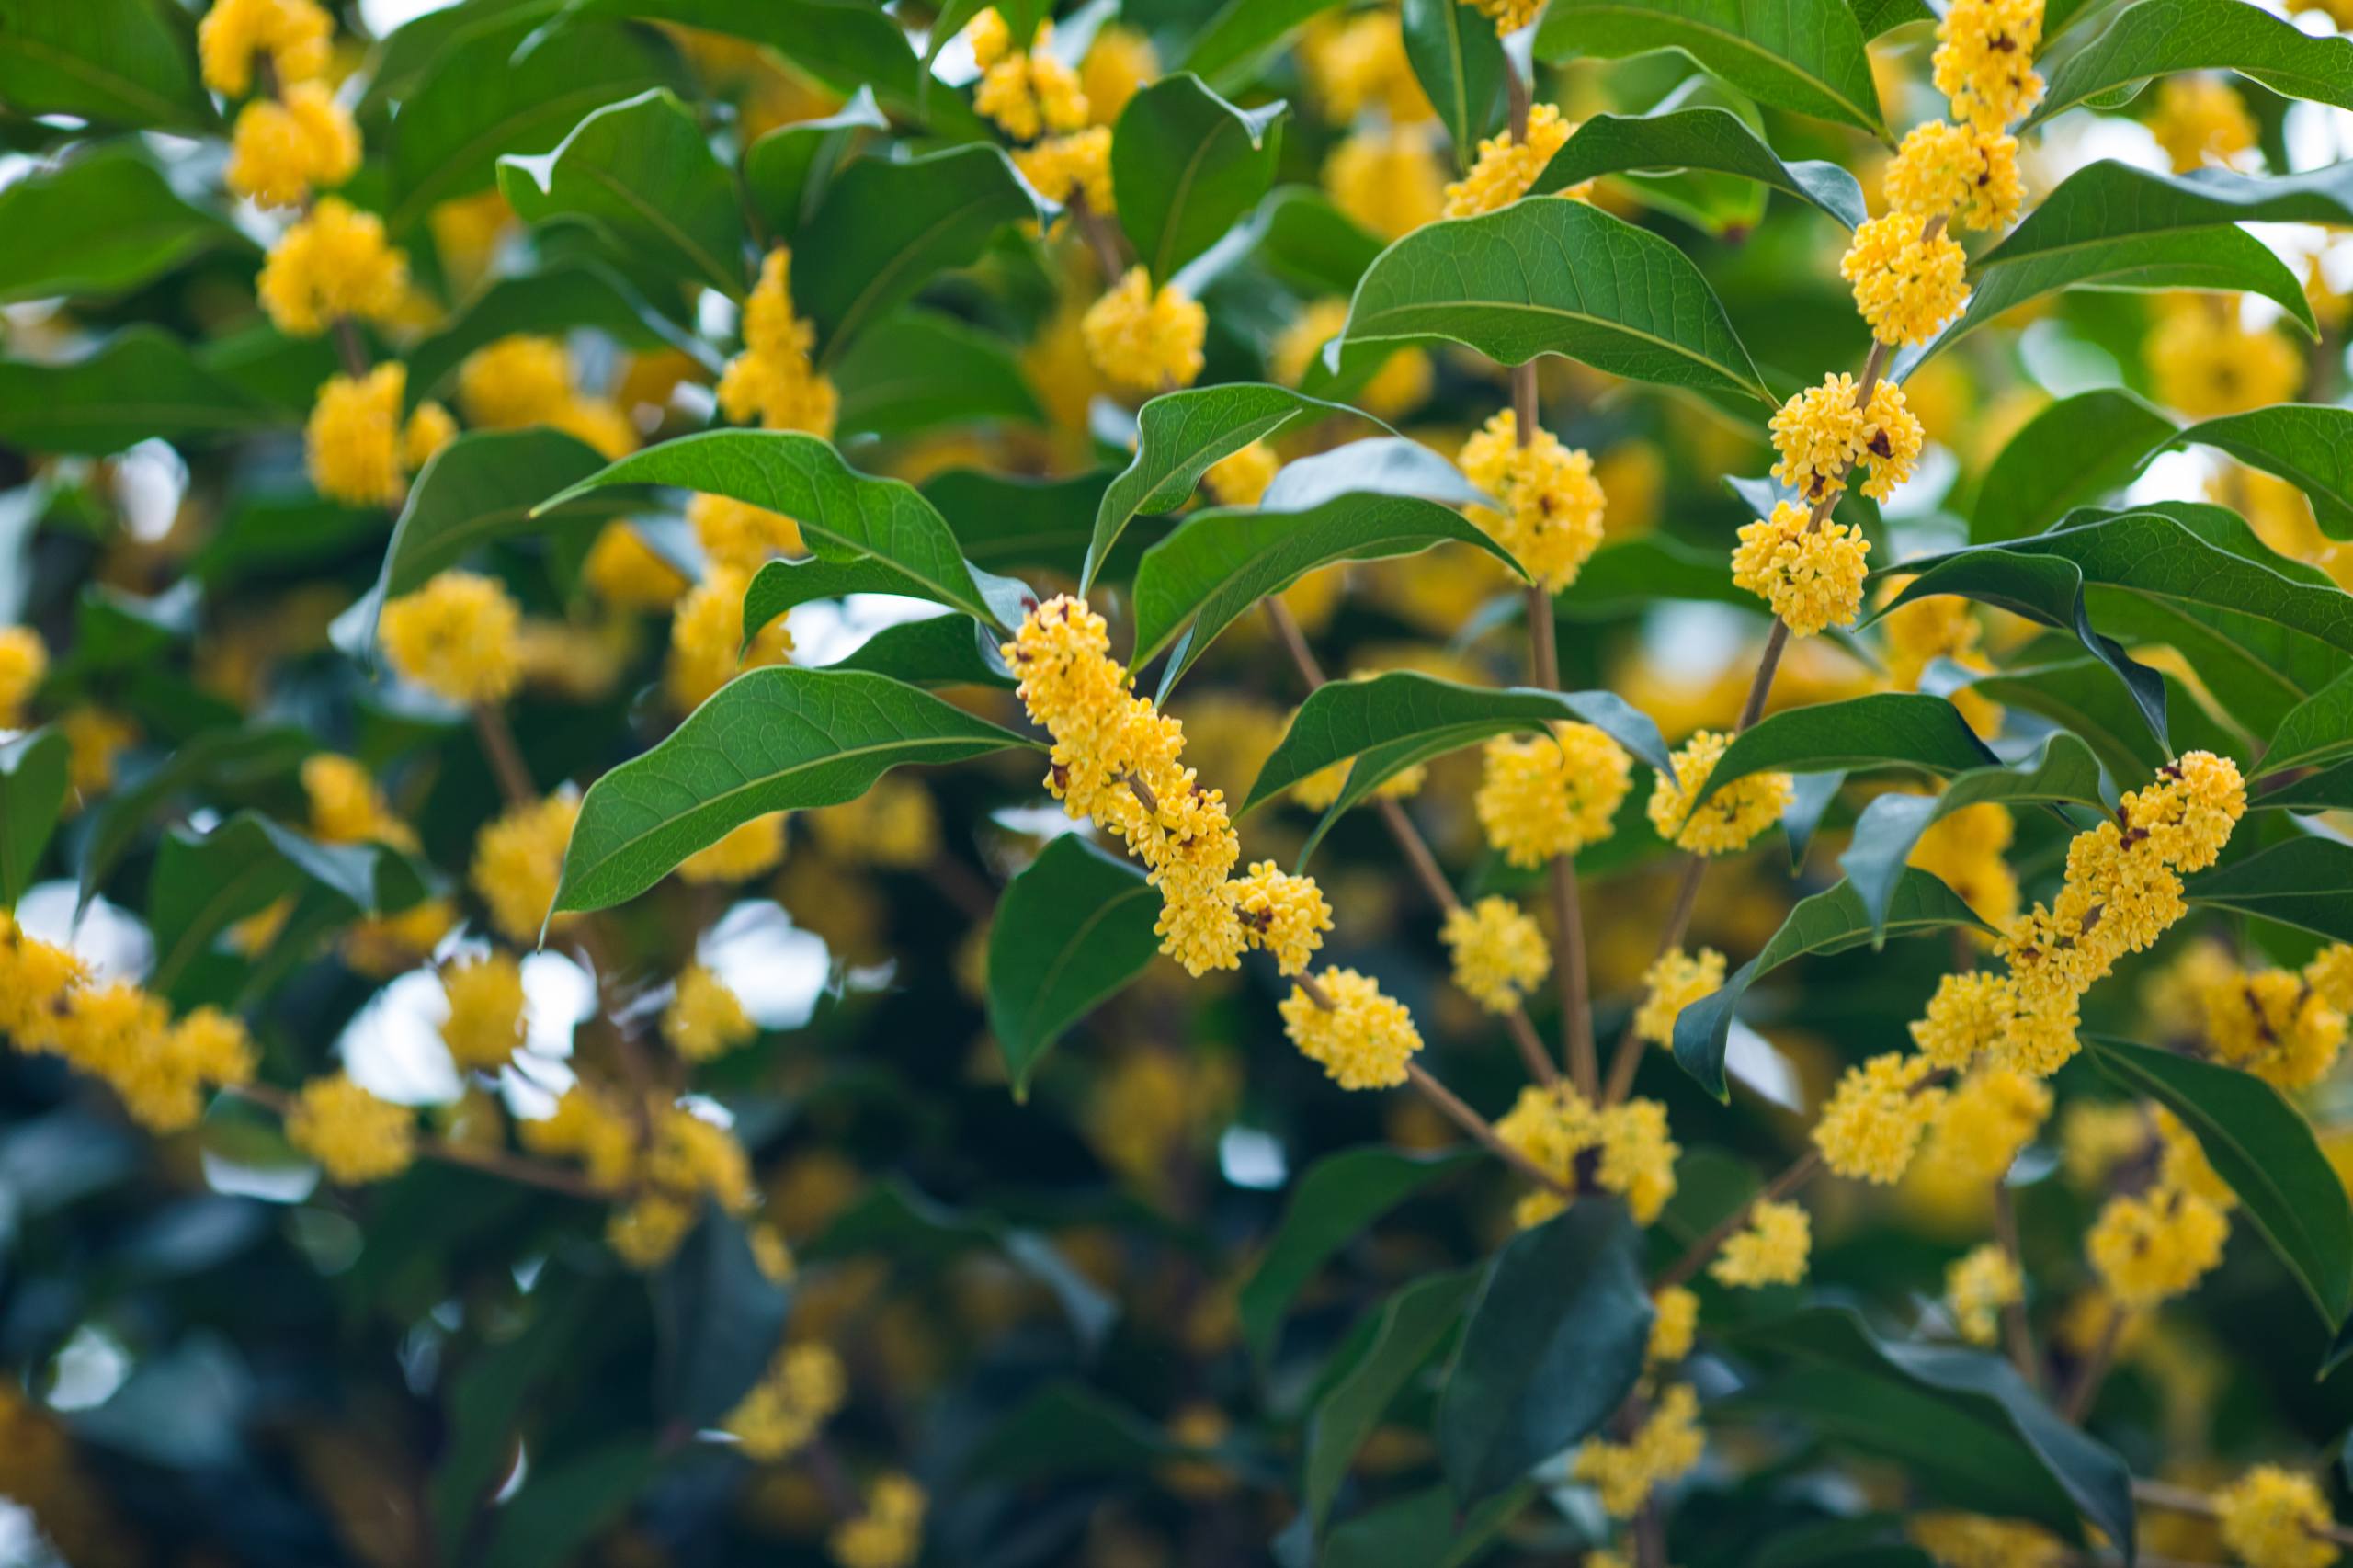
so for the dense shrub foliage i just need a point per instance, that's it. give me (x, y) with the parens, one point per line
(1173, 782)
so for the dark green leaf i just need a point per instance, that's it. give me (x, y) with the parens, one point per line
(1712, 138)
(2107, 201)
(1886, 729)
(556, 299)
(1405, 1329)
(139, 384)
(1801, 55)
(773, 739)
(2156, 37)
(918, 369)
(641, 176)
(846, 44)
(100, 224)
(2309, 445)
(1554, 1343)
(1424, 1531)
(216, 757)
(1243, 33)
(1186, 166)
(782, 586)
(1064, 1431)
(788, 171)
(1459, 62)
(2305, 882)
(1070, 931)
(1334, 1201)
(205, 882)
(2073, 452)
(1878, 17)
(2085, 697)
(32, 792)
(947, 650)
(2318, 729)
(123, 62)
(1553, 277)
(718, 1319)
(2064, 771)
(564, 1505)
(1006, 522)
(1625, 575)
(2261, 1145)
(1311, 244)
(487, 485)
(1828, 922)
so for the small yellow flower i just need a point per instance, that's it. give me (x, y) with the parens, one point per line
(1510, 16)
(518, 380)
(1285, 915)
(333, 263)
(1906, 285)
(1984, 60)
(1958, 172)
(293, 33)
(1553, 506)
(1499, 952)
(1240, 478)
(1730, 818)
(1971, 1541)
(802, 1388)
(888, 1533)
(1143, 341)
(1076, 167)
(1978, 1286)
(705, 632)
(1675, 1323)
(1673, 982)
(1551, 795)
(1387, 180)
(456, 637)
(352, 442)
(1812, 577)
(94, 740)
(1666, 1447)
(355, 1137)
(1772, 1250)
(2155, 1245)
(2206, 365)
(1363, 1042)
(751, 850)
(24, 663)
(1507, 165)
(485, 1023)
(517, 861)
(704, 1019)
(587, 1127)
(623, 570)
(1824, 432)
(282, 151)
(773, 380)
(1874, 1120)
(2272, 1517)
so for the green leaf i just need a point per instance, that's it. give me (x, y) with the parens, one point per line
(2309, 445)
(2085, 697)
(1979, 1414)
(2261, 1145)
(2305, 882)
(214, 758)
(2318, 730)
(32, 792)
(843, 512)
(782, 586)
(2157, 37)
(2076, 451)
(1179, 436)
(1706, 138)
(1311, 244)
(1403, 1332)
(2330, 790)
(1803, 56)
(559, 297)
(138, 384)
(891, 226)
(1008, 521)
(1553, 277)
(1219, 562)
(2107, 200)
(1878, 17)
(1626, 576)
(484, 486)
(513, 85)
(1554, 1342)
(205, 882)
(919, 370)
(1186, 166)
(771, 740)
(564, 1505)
(102, 223)
(122, 62)
(947, 650)
(718, 1319)
(1424, 1530)
(1459, 62)
(1884, 729)
(1242, 34)
(788, 171)
(1333, 1203)
(641, 176)
(846, 44)
(2064, 771)
(1832, 921)
(1073, 928)
(1066, 1431)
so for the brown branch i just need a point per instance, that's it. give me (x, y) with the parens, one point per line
(2183, 1500)
(505, 756)
(1480, 1128)
(1799, 1172)
(2096, 1370)
(1569, 978)
(2016, 1331)
(1626, 1056)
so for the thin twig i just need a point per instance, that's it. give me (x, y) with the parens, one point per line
(1480, 1128)
(2183, 1500)
(1569, 978)
(2016, 1330)
(505, 756)
(1626, 1056)
(1796, 1176)
(2096, 1370)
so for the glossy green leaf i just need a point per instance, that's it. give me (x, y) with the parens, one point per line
(2318, 729)
(2330, 790)
(1980, 1412)
(205, 882)
(215, 758)
(843, 512)
(641, 175)
(1884, 729)
(1179, 436)
(1459, 60)
(1554, 1343)
(2086, 697)
(1011, 522)
(138, 384)
(1424, 1530)
(1553, 277)
(1073, 929)
(120, 62)
(1185, 166)
(512, 86)
(2106, 201)
(1803, 56)
(484, 486)
(1705, 138)
(1626, 576)
(1878, 17)
(2157, 37)
(1312, 245)
(32, 792)
(919, 370)
(2305, 882)
(718, 1320)
(1242, 34)
(563, 1505)
(1222, 562)
(773, 739)
(788, 171)
(2076, 451)
(947, 650)
(891, 226)
(779, 586)
(2064, 771)
(1333, 1203)
(2265, 1149)
(558, 298)
(2309, 445)
(1829, 922)
(100, 224)
(1405, 1330)
(846, 44)
(1065, 1431)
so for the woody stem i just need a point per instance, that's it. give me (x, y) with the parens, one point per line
(1796, 1176)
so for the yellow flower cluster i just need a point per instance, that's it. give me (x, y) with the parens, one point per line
(281, 151)
(1978, 1286)
(1027, 90)
(2155, 1244)
(1559, 1131)
(1984, 61)
(892, 824)
(624, 570)
(1551, 795)
(889, 1533)
(524, 380)
(1144, 341)
(1363, 1041)
(2274, 1023)
(24, 664)
(518, 860)
(1963, 850)
(1240, 478)
(704, 1018)
(588, 1127)
(1822, 432)
(1772, 1250)
(356, 447)
(2201, 119)
(347, 807)
(1358, 62)
(1385, 180)
(801, 1389)
(1510, 16)
(1675, 1323)
(1397, 389)
(745, 852)
(1959, 172)
(1985, 1119)
(707, 639)
(355, 1137)
(293, 33)
(1732, 817)
(1507, 165)
(1285, 915)
(1661, 1450)
(1810, 577)
(773, 380)
(456, 637)
(1907, 282)
(1875, 1119)
(1499, 952)
(486, 1021)
(1972, 1541)
(2205, 364)
(333, 263)
(685, 1160)
(1675, 979)
(2272, 1517)
(742, 536)
(1553, 504)
(1076, 167)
